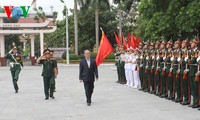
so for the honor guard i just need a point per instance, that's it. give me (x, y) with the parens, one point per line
(176, 70)
(150, 67)
(161, 67)
(155, 66)
(184, 73)
(145, 67)
(117, 62)
(168, 80)
(192, 61)
(140, 63)
(15, 66)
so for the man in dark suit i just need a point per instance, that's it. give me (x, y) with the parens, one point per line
(87, 75)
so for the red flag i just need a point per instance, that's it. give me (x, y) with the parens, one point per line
(133, 42)
(124, 42)
(105, 49)
(117, 40)
(129, 40)
(137, 41)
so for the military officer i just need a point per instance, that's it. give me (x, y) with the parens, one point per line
(193, 70)
(167, 61)
(121, 66)
(156, 65)
(176, 70)
(145, 67)
(117, 62)
(140, 63)
(161, 63)
(15, 66)
(48, 73)
(184, 72)
(53, 82)
(150, 67)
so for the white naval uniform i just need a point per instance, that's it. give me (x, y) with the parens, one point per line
(128, 70)
(136, 79)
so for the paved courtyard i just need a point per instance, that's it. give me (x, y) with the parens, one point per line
(111, 101)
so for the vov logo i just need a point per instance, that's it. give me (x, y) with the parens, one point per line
(16, 11)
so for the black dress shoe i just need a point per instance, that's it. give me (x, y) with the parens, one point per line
(198, 108)
(177, 100)
(46, 98)
(190, 106)
(52, 97)
(16, 91)
(184, 103)
(88, 104)
(195, 106)
(163, 96)
(152, 92)
(145, 90)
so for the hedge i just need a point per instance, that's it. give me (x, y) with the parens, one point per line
(71, 56)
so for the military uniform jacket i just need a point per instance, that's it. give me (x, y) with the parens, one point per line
(161, 61)
(15, 61)
(183, 62)
(155, 59)
(193, 62)
(150, 60)
(117, 59)
(48, 67)
(168, 60)
(175, 61)
(144, 58)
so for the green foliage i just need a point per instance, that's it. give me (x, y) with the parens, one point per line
(111, 56)
(71, 56)
(171, 19)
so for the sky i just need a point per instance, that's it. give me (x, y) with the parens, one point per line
(45, 4)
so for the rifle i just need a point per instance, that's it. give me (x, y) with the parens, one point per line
(147, 61)
(179, 66)
(156, 73)
(197, 75)
(171, 68)
(152, 68)
(163, 70)
(185, 75)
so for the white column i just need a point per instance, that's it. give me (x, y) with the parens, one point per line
(2, 46)
(32, 45)
(41, 42)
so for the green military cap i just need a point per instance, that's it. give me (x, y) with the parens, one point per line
(152, 44)
(170, 42)
(178, 42)
(195, 41)
(163, 42)
(15, 48)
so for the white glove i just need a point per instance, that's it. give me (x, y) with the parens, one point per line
(157, 58)
(186, 70)
(186, 59)
(10, 51)
(179, 59)
(164, 58)
(172, 58)
(141, 65)
(147, 58)
(141, 57)
(152, 67)
(136, 57)
(198, 59)
(153, 57)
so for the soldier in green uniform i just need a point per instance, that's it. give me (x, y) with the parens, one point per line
(193, 70)
(53, 82)
(15, 66)
(145, 67)
(168, 67)
(121, 66)
(117, 63)
(161, 67)
(176, 69)
(184, 70)
(156, 66)
(150, 67)
(167, 81)
(140, 63)
(48, 73)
